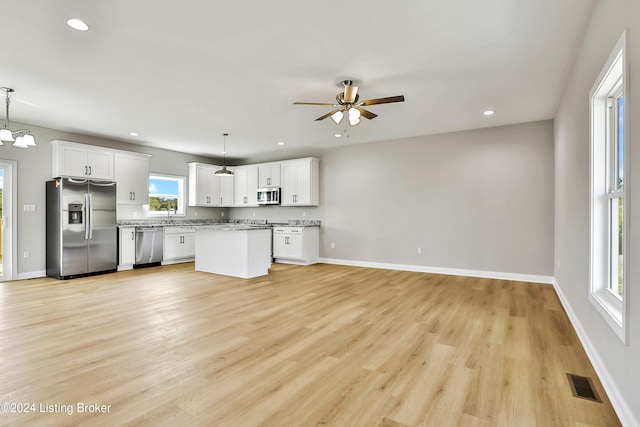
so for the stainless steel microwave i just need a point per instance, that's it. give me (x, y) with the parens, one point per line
(269, 196)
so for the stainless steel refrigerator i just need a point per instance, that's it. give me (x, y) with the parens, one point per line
(81, 227)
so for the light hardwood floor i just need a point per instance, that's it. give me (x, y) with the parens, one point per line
(305, 346)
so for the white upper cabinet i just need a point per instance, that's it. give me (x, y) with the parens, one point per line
(300, 182)
(226, 185)
(207, 189)
(70, 159)
(132, 178)
(269, 175)
(246, 186)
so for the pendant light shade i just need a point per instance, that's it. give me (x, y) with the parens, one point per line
(224, 171)
(354, 116)
(20, 142)
(337, 117)
(6, 135)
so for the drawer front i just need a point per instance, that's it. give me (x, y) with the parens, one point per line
(287, 230)
(178, 230)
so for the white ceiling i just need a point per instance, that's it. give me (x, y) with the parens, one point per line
(182, 73)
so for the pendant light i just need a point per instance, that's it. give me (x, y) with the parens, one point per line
(224, 171)
(23, 137)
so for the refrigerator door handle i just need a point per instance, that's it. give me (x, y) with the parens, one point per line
(86, 216)
(90, 216)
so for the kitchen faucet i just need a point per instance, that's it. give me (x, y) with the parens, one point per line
(169, 215)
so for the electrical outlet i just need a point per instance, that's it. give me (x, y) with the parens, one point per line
(254, 214)
(195, 212)
(222, 214)
(304, 213)
(419, 250)
(333, 245)
(26, 254)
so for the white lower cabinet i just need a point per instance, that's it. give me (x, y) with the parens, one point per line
(179, 244)
(296, 245)
(127, 248)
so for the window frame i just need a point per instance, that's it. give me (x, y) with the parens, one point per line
(182, 182)
(605, 190)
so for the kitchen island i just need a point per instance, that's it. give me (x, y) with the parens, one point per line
(236, 250)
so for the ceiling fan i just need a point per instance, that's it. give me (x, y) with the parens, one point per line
(348, 104)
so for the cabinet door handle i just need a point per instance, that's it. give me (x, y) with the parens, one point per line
(134, 195)
(86, 170)
(89, 170)
(268, 181)
(133, 235)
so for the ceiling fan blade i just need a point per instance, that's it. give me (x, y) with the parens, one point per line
(366, 113)
(315, 103)
(388, 100)
(326, 115)
(350, 93)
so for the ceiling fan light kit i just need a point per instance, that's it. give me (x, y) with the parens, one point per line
(23, 137)
(348, 103)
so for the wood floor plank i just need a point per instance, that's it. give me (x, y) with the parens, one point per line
(304, 346)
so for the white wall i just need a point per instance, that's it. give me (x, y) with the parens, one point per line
(477, 200)
(618, 365)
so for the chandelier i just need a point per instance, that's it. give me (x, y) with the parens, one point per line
(23, 137)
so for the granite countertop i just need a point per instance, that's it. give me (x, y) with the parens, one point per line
(233, 227)
(193, 223)
(296, 223)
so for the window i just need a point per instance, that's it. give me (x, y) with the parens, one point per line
(166, 192)
(609, 193)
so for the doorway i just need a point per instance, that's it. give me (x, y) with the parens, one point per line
(7, 215)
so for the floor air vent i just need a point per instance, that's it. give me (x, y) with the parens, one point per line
(582, 387)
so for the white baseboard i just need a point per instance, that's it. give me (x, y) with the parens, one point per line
(31, 275)
(441, 270)
(613, 392)
(177, 261)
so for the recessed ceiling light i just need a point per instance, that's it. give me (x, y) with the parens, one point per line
(280, 143)
(338, 135)
(77, 24)
(489, 113)
(134, 134)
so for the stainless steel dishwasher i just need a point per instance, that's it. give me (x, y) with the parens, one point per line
(149, 242)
